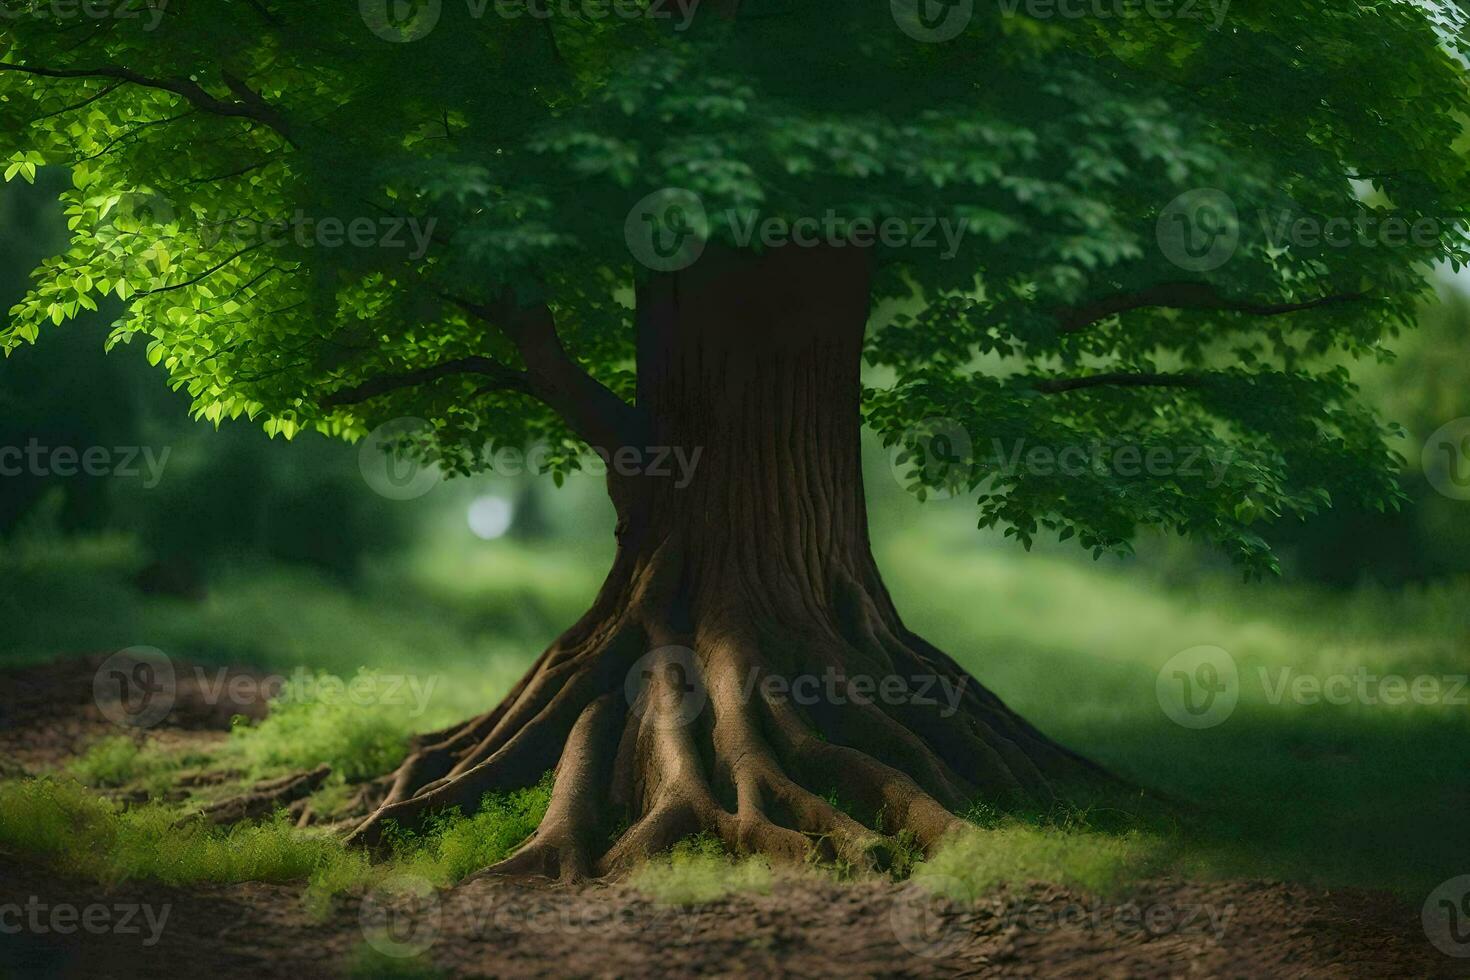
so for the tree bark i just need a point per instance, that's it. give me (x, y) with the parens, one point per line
(743, 671)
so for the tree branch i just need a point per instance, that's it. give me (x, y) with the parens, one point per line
(1183, 296)
(598, 417)
(502, 379)
(1118, 379)
(251, 107)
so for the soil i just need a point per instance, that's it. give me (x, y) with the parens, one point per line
(806, 925)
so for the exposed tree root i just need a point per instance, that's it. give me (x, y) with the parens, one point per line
(264, 798)
(696, 743)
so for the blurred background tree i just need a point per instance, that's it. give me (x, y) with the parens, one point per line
(225, 494)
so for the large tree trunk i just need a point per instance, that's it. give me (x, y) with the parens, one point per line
(743, 662)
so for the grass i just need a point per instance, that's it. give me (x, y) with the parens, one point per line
(358, 738)
(979, 861)
(120, 760)
(1366, 794)
(84, 834)
(453, 846)
(1355, 794)
(78, 832)
(697, 871)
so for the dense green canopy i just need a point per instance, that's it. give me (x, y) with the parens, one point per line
(480, 159)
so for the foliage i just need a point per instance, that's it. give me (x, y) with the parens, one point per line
(519, 145)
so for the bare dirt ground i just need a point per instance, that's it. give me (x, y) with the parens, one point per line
(807, 926)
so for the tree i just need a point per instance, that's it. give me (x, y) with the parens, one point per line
(650, 227)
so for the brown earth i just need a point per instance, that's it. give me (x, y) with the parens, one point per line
(806, 926)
